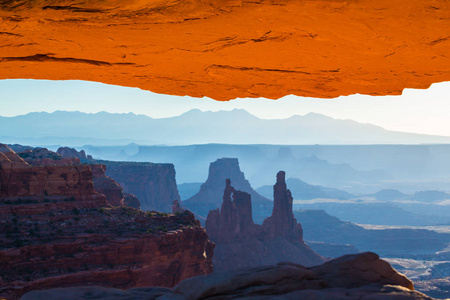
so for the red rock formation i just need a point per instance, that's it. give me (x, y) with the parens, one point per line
(45, 157)
(153, 184)
(38, 183)
(176, 207)
(229, 49)
(282, 222)
(132, 201)
(71, 152)
(115, 247)
(242, 243)
(147, 185)
(361, 276)
(68, 157)
(111, 189)
(208, 198)
(55, 230)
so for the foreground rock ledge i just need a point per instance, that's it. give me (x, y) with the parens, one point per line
(359, 276)
(230, 48)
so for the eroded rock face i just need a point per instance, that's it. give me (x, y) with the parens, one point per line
(361, 276)
(71, 152)
(56, 230)
(228, 49)
(54, 246)
(242, 243)
(132, 201)
(44, 157)
(111, 189)
(208, 198)
(19, 180)
(153, 184)
(282, 222)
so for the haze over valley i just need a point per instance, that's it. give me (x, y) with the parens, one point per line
(224, 150)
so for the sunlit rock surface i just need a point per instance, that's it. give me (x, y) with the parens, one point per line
(230, 48)
(361, 276)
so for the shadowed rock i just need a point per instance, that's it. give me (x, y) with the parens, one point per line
(209, 196)
(111, 189)
(242, 243)
(360, 276)
(57, 231)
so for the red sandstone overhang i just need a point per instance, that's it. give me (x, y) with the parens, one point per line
(227, 49)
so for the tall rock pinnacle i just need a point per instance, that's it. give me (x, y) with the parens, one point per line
(282, 221)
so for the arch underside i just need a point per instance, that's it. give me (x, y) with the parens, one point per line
(229, 49)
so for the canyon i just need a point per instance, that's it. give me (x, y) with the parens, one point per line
(93, 238)
(57, 231)
(242, 243)
(146, 186)
(208, 198)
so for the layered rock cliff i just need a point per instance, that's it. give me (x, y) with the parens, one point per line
(362, 276)
(71, 152)
(242, 243)
(111, 189)
(56, 231)
(209, 198)
(229, 49)
(20, 181)
(45, 157)
(153, 184)
(148, 186)
(70, 157)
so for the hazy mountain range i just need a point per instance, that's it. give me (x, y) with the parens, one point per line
(196, 127)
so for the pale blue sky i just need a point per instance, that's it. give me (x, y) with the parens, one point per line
(420, 111)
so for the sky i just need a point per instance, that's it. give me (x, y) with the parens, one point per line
(419, 111)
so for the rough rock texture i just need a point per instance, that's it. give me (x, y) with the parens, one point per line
(71, 152)
(176, 207)
(116, 247)
(147, 185)
(282, 222)
(153, 184)
(55, 230)
(20, 181)
(132, 201)
(231, 48)
(363, 276)
(70, 157)
(45, 157)
(208, 198)
(111, 189)
(242, 243)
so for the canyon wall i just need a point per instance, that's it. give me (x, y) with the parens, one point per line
(57, 231)
(111, 189)
(153, 184)
(147, 186)
(20, 181)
